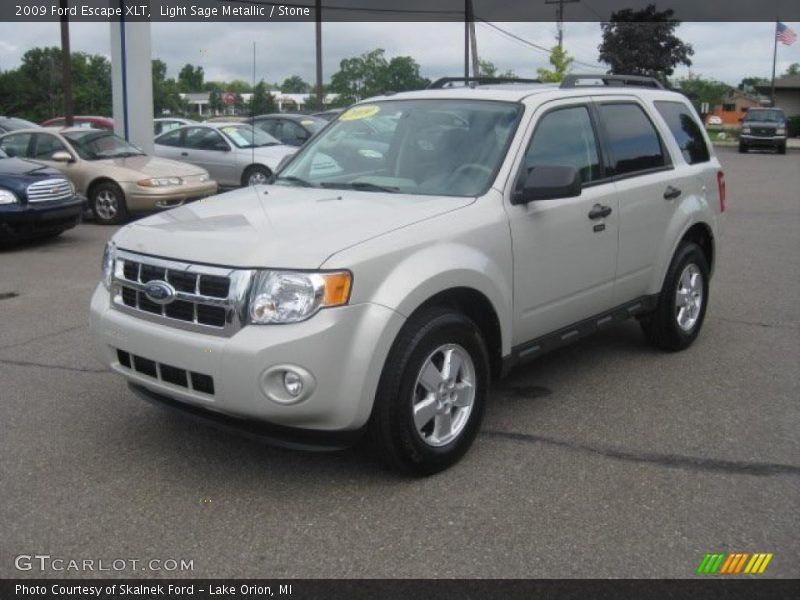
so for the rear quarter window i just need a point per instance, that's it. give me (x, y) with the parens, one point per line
(686, 131)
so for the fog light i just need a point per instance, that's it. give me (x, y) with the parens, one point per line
(293, 383)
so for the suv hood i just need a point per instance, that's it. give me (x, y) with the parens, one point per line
(277, 226)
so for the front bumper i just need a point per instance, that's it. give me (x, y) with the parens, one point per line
(21, 221)
(344, 349)
(139, 198)
(762, 141)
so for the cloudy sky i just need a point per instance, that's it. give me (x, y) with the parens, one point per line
(723, 51)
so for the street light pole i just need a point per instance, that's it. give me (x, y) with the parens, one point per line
(318, 36)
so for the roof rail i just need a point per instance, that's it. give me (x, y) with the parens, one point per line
(473, 81)
(573, 80)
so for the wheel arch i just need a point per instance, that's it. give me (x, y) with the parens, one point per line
(249, 166)
(99, 180)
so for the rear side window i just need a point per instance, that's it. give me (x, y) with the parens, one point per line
(16, 144)
(685, 130)
(172, 138)
(632, 139)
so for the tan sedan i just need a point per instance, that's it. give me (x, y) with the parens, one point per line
(116, 177)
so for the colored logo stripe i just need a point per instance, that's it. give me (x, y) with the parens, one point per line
(733, 563)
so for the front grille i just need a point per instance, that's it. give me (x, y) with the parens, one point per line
(207, 299)
(50, 190)
(764, 131)
(190, 380)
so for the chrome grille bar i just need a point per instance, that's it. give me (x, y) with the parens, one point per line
(221, 315)
(49, 190)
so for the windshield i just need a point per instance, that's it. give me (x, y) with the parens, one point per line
(314, 125)
(244, 136)
(765, 116)
(93, 144)
(434, 147)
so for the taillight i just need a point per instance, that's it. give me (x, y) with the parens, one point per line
(721, 186)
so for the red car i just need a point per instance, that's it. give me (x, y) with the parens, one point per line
(82, 121)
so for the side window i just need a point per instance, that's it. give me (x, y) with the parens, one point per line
(173, 138)
(565, 138)
(202, 138)
(294, 132)
(685, 130)
(270, 126)
(47, 145)
(16, 144)
(632, 139)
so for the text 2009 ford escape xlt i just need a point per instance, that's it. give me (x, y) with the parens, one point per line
(421, 245)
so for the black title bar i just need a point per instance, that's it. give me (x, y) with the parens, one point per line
(385, 10)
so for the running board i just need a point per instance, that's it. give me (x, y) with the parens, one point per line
(562, 337)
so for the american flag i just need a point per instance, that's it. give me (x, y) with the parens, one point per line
(785, 35)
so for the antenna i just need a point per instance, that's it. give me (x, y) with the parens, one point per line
(253, 110)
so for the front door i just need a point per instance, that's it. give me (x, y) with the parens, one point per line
(564, 253)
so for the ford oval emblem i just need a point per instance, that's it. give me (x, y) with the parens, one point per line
(159, 292)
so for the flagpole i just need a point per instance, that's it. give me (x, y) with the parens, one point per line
(774, 59)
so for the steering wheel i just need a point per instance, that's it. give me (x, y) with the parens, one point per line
(471, 167)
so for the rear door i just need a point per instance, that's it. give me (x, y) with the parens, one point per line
(646, 190)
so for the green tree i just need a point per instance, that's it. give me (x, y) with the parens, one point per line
(561, 62)
(294, 85)
(701, 90)
(489, 69)
(190, 78)
(794, 69)
(643, 43)
(748, 83)
(371, 74)
(215, 104)
(262, 102)
(166, 98)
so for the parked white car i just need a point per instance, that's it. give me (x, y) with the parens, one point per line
(381, 283)
(234, 154)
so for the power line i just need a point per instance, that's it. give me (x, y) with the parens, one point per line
(534, 46)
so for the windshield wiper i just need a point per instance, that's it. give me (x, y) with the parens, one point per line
(361, 186)
(298, 180)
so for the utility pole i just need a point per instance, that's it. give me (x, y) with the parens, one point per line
(66, 65)
(774, 61)
(473, 40)
(319, 54)
(560, 18)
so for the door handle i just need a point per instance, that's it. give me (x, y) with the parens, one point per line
(671, 193)
(599, 212)
(184, 154)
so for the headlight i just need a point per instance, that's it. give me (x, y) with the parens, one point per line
(109, 254)
(289, 297)
(7, 197)
(745, 130)
(160, 181)
(780, 131)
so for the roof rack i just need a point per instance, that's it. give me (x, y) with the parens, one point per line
(473, 81)
(573, 80)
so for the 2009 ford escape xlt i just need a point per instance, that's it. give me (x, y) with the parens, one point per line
(419, 246)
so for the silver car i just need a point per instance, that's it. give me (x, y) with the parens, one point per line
(234, 154)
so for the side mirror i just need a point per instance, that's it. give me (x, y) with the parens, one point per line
(62, 156)
(548, 182)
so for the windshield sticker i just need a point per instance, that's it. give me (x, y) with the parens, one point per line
(360, 112)
(307, 122)
(235, 134)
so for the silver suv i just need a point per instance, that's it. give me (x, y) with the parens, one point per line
(419, 247)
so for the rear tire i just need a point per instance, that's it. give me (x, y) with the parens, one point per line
(108, 204)
(681, 307)
(432, 393)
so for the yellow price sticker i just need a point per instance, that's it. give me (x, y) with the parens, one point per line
(360, 112)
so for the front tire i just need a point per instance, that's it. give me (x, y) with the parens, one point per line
(108, 204)
(782, 149)
(681, 307)
(742, 148)
(256, 175)
(432, 393)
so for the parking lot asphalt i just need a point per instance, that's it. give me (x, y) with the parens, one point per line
(603, 459)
